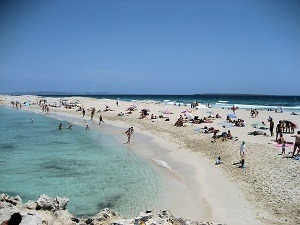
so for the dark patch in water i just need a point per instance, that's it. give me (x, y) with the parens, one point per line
(7, 146)
(110, 202)
(60, 142)
(63, 168)
(20, 137)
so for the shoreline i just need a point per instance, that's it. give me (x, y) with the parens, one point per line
(221, 185)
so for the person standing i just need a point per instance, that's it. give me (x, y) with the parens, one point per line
(271, 126)
(100, 119)
(93, 113)
(297, 143)
(83, 112)
(279, 129)
(283, 148)
(243, 150)
(128, 133)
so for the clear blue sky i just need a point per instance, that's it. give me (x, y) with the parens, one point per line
(150, 47)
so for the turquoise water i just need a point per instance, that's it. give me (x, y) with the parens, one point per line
(90, 168)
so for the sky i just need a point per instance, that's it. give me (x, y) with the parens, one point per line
(150, 47)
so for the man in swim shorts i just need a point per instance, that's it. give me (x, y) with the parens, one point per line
(297, 143)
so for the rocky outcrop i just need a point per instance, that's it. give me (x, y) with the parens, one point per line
(52, 211)
(44, 202)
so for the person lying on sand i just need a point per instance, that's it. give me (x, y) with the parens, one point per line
(257, 132)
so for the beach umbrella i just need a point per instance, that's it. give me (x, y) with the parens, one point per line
(259, 125)
(189, 116)
(292, 121)
(232, 116)
(279, 109)
(226, 125)
(167, 111)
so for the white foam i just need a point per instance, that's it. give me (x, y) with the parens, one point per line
(222, 101)
(162, 163)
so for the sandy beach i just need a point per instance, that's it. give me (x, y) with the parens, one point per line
(266, 191)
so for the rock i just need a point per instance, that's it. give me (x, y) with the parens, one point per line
(61, 203)
(30, 205)
(104, 215)
(89, 220)
(32, 219)
(122, 222)
(7, 198)
(45, 202)
(145, 216)
(52, 211)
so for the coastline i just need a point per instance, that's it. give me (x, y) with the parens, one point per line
(190, 155)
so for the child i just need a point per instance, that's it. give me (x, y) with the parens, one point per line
(283, 148)
(218, 161)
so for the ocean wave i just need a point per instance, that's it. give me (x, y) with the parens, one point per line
(222, 101)
(162, 163)
(252, 106)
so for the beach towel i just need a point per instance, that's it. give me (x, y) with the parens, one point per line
(286, 145)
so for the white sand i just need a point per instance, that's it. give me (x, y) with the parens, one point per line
(267, 191)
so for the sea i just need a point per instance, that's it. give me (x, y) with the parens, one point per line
(242, 101)
(92, 168)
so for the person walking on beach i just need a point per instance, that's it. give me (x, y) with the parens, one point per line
(15, 219)
(93, 113)
(100, 119)
(297, 143)
(131, 130)
(283, 148)
(279, 129)
(128, 133)
(243, 150)
(83, 112)
(271, 126)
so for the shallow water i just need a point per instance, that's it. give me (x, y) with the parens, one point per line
(87, 166)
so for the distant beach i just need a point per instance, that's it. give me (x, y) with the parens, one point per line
(263, 192)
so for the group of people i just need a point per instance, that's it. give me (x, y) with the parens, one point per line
(282, 126)
(254, 113)
(45, 108)
(16, 104)
(283, 143)
(237, 123)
